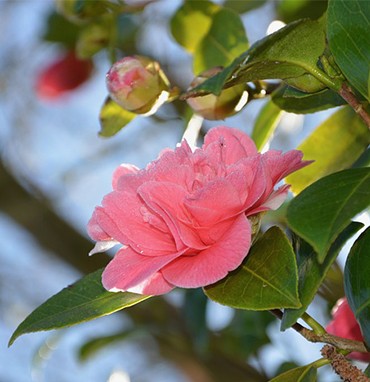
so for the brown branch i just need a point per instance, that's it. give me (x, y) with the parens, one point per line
(339, 363)
(338, 342)
(348, 95)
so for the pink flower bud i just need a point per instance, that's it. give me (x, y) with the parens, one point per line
(138, 84)
(63, 75)
(344, 325)
(213, 107)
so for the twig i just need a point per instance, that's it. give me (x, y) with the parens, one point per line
(339, 363)
(347, 94)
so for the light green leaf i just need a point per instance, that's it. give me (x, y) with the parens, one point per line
(80, 302)
(300, 374)
(291, 53)
(348, 29)
(266, 123)
(295, 101)
(357, 282)
(334, 145)
(113, 118)
(225, 40)
(191, 23)
(267, 279)
(321, 211)
(312, 273)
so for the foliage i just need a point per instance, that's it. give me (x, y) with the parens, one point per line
(310, 65)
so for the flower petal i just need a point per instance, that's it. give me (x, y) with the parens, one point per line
(128, 269)
(122, 170)
(212, 264)
(154, 285)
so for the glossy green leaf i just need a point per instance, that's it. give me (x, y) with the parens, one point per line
(191, 23)
(348, 26)
(321, 211)
(291, 53)
(357, 282)
(80, 302)
(225, 40)
(267, 279)
(334, 145)
(290, 10)
(266, 123)
(295, 101)
(93, 346)
(312, 273)
(300, 374)
(113, 118)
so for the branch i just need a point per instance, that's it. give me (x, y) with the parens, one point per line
(338, 342)
(348, 95)
(339, 363)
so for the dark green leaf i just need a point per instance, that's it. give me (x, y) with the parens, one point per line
(321, 211)
(267, 279)
(334, 145)
(291, 53)
(91, 347)
(113, 118)
(290, 10)
(312, 273)
(295, 101)
(225, 40)
(266, 123)
(243, 6)
(192, 22)
(80, 302)
(300, 374)
(357, 282)
(348, 28)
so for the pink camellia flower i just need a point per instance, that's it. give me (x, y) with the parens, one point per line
(183, 220)
(344, 324)
(137, 84)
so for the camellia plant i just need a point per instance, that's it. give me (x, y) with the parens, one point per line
(198, 219)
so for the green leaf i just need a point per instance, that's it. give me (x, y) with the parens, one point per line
(295, 101)
(357, 282)
(291, 53)
(290, 10)
(243, 6)
(80, 302)
(192, 22)
(113, 118)
(91, 347)
(321, 211)
(225, 40)
(312, 273)
(348, 28)
(266, 123)
(267, 279)
(334, 145)
(300, 374)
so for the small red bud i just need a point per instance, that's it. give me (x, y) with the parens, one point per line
(344, 325)
(138, 84)
(213, 107)
(62, 75)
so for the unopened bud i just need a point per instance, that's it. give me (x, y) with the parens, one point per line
(138, 84)
(213, 107)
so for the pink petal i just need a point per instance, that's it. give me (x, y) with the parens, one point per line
(154, 285)
(127, 219)
(212, 264)
(94, 229)
(129, 269)
(273, 202)
(122, 170)
(228, 144)
(167, 200)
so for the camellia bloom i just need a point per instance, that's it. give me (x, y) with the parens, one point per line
(184, 219)
(214, 107)
(138, 84)
(63, 75)
(344, 324)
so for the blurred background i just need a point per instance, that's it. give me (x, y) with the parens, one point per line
(55, 169)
